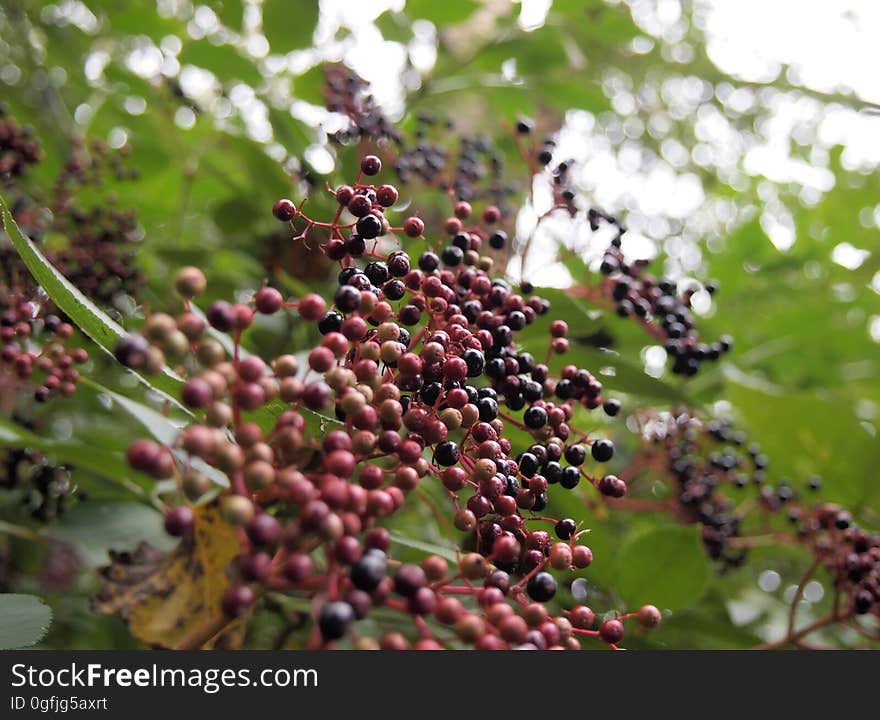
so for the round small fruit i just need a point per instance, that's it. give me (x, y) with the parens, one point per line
(602, 450)
(565, 528)
(447, 453)
(237, 600)
(371, 165)
(535, 418)
(268, 300)
(284, 210)
(413, 227)
(367, 573)
(190, 282)
(369, 227)
(334, 619)
(649, 616)
(611, 631)
(179, 521)
(541, 587)
(611, 407)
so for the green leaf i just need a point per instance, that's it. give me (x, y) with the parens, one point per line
(289, 26)
(615, 372)
(394, 27)
(440, 13)
(427, 547)
(235, 214)
(24, 620)
(308, 87)
(264, 172)
(289, 131)
(164, 429)
(95, 527)
(804, 433)
(136, 18)
(87, 316)
(665, 566)
(222, 60)
(230, 12)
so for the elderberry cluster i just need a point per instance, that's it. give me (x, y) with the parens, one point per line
(347, 93)
(100, 242)
(541, 156)
(419, 365)
(97, 256)
(44, 489)
(657, 303)
(33, 345)
(101, 251)
(850, 553)
(473, 173)
(710, 463)
(19, 149)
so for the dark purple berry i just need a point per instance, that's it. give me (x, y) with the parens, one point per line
(541, 587)
(334, 619)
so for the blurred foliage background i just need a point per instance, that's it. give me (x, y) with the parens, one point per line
(764, 179)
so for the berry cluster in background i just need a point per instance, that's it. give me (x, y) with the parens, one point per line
(720, 480)
(469, 167)
(97, 257)
(40, 354)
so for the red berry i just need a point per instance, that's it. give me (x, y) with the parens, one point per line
(344, 194)
(249, 395)
(491, 215)
(612, 486)
(581, 556)
(179, 521)
(321, 359)
(452, 226)
(649, 616)
(413, 227)
(145, 456)
(386, 195)
(558, 328)
(237, 600)
(222, 316)
(297, 567)
(312, 307)
(268, 300)
(360, 206)
(582, 617)
(611, 631)
(371, 165)
(264, 529)
(197, 393)
(251, 369)
(455, 369)
(462, 210)
(284, 210)
(255, 567)
(244, 316)
(408, 579)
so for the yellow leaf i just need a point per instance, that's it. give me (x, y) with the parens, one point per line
(165, 598)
